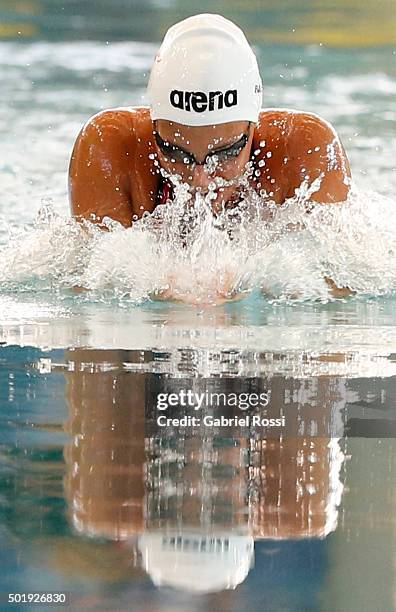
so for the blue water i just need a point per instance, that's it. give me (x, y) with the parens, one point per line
(78, 485)
(92, 491)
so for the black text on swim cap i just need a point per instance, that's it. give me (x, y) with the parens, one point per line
(200, 102)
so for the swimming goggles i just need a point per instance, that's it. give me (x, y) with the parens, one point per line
(179, 155)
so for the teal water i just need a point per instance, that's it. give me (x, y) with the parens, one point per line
(95, 498)
(86, 489)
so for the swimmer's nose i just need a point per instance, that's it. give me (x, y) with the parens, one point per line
(200, 178)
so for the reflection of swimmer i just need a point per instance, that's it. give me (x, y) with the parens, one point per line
(204, 125)
(176, 501)
(300, 498)
(106, 456)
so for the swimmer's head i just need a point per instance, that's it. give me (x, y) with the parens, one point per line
(205, 95)
(205, 73)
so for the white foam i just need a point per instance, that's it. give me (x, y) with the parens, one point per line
(183, 252)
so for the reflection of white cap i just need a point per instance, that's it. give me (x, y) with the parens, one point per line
(194, 561)
(205, 73)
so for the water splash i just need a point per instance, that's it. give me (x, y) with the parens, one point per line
(184, 252)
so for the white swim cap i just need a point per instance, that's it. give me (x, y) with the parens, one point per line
(205, 73)
(197, 562)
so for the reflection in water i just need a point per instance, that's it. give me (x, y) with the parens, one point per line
(109, 506)
(188, 503)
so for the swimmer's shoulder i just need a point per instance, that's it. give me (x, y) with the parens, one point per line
(117, 138)
(111, 169)
(292, 146)
(118, 123)
(280, 124)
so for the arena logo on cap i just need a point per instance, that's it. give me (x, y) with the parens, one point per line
(200, 102)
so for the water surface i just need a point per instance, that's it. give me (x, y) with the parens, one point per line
(97, 499)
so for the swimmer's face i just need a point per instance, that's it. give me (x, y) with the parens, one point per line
(200, 153)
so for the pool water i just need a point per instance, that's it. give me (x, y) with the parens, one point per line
(95, 494)
(96, 498)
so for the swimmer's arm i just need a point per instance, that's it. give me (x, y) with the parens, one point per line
(336, 292)
(316, 152)
(98, 176)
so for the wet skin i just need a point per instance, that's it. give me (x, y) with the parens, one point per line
(113, 169)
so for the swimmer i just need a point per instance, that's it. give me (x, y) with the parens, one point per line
(204, 122)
